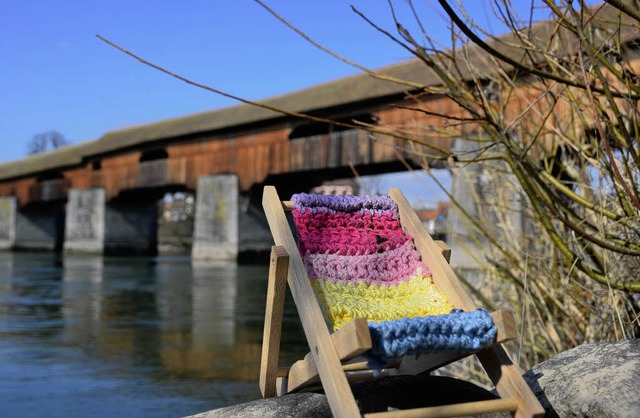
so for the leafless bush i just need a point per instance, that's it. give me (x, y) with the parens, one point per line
(551, 113)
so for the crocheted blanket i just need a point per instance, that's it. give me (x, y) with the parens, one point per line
(362, 264)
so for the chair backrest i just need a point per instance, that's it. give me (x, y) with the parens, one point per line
(362, 264)
(360, 261)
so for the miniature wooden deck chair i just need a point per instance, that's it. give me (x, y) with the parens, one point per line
(366, 266)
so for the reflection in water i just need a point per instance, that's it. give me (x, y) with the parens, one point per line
(136, 334)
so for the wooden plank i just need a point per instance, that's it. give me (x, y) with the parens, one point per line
(455, 410)
(281, 385)
(509, 382)
(350, 341)
(334, 381)
(445, 250)
(443, 276)
(278, 271)
(303, 373)
(505, 321)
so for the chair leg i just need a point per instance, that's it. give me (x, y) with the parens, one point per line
(350, 341)
(278, 271)
(509, 382)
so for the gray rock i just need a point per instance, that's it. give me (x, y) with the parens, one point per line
(294, 405)
(395, 392)
(592, 380)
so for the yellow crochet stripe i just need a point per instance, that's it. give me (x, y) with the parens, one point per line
(342, 302)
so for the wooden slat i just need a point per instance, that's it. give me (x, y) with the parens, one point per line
(324, 354)
(303, 373)
(443, 276)
(505, 322)
(278, 271)
(455, 410)
(509, 382)
(350, 341)
(354, 339)
(445, 250)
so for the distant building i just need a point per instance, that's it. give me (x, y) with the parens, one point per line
(337, 187)
(435, 220)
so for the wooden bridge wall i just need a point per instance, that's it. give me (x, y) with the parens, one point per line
(251, 154)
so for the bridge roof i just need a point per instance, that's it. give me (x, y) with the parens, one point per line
(353, 89)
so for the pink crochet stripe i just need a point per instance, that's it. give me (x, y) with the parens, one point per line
(317, 219)
(348, 234)
(389, 268)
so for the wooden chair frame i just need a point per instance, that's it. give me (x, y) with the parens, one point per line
(327, 363)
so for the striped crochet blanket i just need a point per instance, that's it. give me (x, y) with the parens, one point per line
(362, 264)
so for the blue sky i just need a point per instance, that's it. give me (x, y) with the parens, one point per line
(56, 75)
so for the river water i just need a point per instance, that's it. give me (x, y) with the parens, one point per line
(131, 337)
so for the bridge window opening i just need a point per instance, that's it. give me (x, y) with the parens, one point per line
(318, 128)
(154, 154)
(178, 206)
(96, 164)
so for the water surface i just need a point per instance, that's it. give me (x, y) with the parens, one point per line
(131, 337)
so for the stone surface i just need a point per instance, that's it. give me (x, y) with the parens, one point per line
(8, 208)
(295, 405)
(398, 392)
(216, 219)
(592, 380)
(85, 221)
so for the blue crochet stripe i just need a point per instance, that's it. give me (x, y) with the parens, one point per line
(458, 331)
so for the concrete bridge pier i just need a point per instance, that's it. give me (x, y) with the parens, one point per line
(8, 214)
(85, 221)
(215, 235)
(95, 226)
(480, 191)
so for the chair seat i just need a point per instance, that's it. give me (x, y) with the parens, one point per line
(458, 331)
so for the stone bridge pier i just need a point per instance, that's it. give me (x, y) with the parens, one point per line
(8, 214)
(37, 226)
(227, 223)
(95, 226)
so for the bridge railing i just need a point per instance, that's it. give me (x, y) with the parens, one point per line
(336, 149)
(152, 173)
(49, 190)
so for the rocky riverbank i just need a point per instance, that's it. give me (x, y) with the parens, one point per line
(592, 380)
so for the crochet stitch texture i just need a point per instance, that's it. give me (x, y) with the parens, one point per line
(362, 264)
